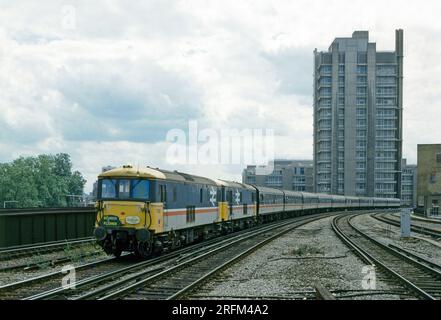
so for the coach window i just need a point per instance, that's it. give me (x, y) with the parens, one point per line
(201, 195)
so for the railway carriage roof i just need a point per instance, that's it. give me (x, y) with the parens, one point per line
(270, 190)
(325, 196)
(309, 195)
(292, 193)
(234, 184)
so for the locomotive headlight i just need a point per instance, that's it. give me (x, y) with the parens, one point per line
(132, 220)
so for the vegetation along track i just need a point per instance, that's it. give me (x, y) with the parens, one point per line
(183, 278)
(39, 263)
(421, 278)
(427, 228)
(15, 252)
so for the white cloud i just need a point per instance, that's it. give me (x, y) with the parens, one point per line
(107, 90)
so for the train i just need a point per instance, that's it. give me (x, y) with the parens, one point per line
(147, 210)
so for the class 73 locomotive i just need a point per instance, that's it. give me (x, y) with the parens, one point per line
(149, 210)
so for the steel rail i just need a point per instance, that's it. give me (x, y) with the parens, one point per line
(19, 251)
(192, 263)
(414, 227)
(380, 248)
(190, 251)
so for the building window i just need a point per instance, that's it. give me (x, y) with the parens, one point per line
(361, 101)
(361, 69)
(386, 70)
(438, 157)
(361, 165)
(361, 80)
(361, 91)
(361, 122)
(341, 69)
(341, 58)
(326, 69)
(341, 91)
(362, 57)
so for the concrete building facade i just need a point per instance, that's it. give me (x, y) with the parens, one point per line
(358, 118)
(287, 174)
(429, 179)
(408, 184)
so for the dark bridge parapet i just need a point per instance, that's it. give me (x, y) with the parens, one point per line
(37, 225)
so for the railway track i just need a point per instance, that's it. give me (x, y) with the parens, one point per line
(435, 221)
(420, 277)
(183, 278)
(49, 281)
(418, 227)
(47, 263)
(15, 252)
(94, 274)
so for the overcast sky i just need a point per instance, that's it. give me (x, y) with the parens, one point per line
(105, 80)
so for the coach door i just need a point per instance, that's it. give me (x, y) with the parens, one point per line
(230, 202)
(163, 199)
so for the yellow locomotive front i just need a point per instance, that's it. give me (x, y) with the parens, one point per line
(127, 217)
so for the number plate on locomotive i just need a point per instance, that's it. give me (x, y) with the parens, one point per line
(111, 221)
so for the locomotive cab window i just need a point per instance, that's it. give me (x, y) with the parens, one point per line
(124, 189)
(140, 189)
(108, 188)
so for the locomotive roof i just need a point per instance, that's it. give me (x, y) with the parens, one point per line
(155, 173)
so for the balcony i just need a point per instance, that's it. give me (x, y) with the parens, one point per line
(380, 127)
(324, 85)
(324, 96)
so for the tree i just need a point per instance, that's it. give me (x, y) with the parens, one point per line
(43, 181)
